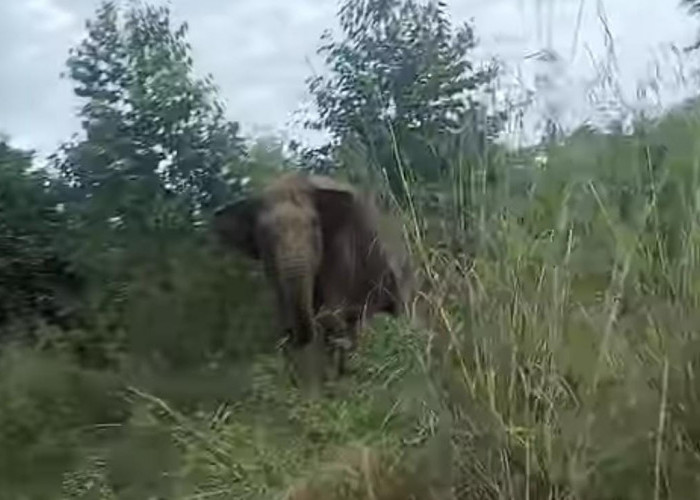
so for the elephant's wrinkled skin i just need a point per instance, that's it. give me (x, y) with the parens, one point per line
(320, 246)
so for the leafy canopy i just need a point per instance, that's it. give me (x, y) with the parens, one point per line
(400, 73)
(154, 135)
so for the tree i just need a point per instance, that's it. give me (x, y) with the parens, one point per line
(156, 143)
(36, 278)
(400, 74)
(154, 157)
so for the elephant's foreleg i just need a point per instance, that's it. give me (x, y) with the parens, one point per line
(338, 330)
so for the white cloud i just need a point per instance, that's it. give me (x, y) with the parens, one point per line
(49, 15)
(259, 53)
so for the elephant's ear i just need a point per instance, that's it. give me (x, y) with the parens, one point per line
(335, 202)
(234, 224)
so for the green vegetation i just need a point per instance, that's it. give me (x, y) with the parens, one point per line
(556, 350)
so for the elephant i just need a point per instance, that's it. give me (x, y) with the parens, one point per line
(320, 246)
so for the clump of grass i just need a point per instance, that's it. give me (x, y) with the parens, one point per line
(50, 412)
(261, 444)
(360, 472)
(571, 329)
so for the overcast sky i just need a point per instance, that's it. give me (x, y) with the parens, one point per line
(260, 52)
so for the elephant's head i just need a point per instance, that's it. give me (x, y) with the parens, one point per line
(284, 226)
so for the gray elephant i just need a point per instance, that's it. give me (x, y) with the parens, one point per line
(321, 248)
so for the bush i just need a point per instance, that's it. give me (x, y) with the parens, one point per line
(51, 413)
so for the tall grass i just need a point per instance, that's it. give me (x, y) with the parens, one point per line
(572, 331)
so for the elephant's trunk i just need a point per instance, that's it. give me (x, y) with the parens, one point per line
(296, 279)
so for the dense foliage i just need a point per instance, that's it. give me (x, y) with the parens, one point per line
(152, 133)
(37, 277)
(400, 84)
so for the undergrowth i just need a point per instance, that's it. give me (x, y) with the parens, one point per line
(555, 357)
